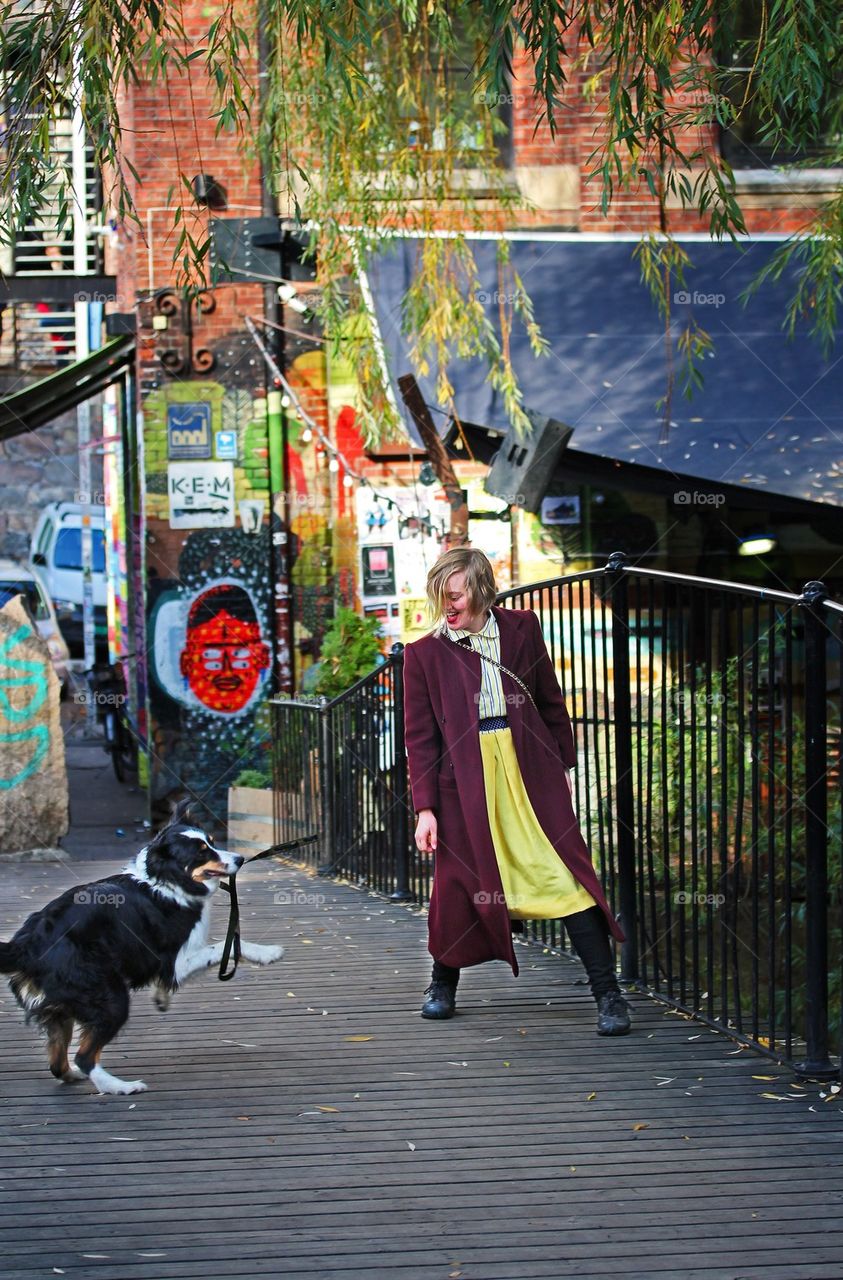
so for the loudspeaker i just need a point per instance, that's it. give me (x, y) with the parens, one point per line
(522, 469)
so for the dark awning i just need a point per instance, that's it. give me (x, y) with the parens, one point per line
(42, 401)
(768, 417)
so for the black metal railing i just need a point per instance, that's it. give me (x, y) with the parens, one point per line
(708, 721)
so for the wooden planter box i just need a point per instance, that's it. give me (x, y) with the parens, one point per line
(249, 819)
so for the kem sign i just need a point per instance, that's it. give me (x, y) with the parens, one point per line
(201, 495)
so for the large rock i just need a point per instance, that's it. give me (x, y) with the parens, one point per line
(33, 775)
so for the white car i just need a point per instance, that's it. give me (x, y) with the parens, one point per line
(16, 579)
(55, 553)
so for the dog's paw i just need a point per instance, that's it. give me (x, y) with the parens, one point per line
(104, 1082)
(73, 1075)
(259, 954)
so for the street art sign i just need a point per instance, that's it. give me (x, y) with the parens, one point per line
(189, 430)
(208, 651)
(201, 495)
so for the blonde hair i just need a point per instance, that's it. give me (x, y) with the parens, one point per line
(479, 581)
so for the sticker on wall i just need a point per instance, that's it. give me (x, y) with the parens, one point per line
(225, 445)
(189, 430)
(563, 509)
(251, 514)
(201, 495)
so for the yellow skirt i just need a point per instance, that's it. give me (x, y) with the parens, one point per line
(536, 883)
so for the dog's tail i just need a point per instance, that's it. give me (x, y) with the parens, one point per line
(9, 958)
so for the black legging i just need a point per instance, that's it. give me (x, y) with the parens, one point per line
(589, 934)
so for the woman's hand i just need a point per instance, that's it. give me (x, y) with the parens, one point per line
(426, 829)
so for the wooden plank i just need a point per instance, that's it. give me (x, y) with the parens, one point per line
(529, 1174)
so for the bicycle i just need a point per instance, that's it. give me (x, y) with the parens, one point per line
(108, 689)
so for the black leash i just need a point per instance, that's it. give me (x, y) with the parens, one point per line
(232, 938)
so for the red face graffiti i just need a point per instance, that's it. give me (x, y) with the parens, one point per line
(223, 655)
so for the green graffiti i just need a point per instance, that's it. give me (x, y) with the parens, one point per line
(39, 734)
(37, 679)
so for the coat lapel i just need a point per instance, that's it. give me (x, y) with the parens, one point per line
(512, 637)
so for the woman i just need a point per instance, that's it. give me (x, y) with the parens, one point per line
(489, 748)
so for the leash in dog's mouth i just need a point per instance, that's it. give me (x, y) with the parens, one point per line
(231, 946)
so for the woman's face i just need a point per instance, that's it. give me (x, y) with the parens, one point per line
(459, 613)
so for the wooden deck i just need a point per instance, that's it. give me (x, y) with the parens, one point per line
(303, 1121)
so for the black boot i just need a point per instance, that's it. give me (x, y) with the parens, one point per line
(441, 994)
(589, 934)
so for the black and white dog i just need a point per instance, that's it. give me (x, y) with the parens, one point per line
(77, 960)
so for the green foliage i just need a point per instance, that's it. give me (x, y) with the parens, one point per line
(376, 116)
(253, 778)
(349, 650)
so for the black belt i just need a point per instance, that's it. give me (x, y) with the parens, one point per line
(232, 938)
(490, 723)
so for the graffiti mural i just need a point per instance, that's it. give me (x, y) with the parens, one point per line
(33, 778)
(210, 662)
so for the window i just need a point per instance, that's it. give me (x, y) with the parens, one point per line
(68, 553)
(31, 593)
(743, 144)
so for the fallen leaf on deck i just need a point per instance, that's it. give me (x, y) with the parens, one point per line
(318, 1108)
(636, 1127)
(590, 1096)
(242, 1117)
(306, 942)
(660, 1080)
(776, 1097)
(765, 1077)
(357, 1039)
(457, 1064)
(411, 1145)
(492, 1038)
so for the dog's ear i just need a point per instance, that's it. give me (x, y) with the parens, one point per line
(180, 812)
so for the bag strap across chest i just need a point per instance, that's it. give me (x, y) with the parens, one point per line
(494, 663)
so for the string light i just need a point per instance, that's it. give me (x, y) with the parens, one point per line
(337, 459)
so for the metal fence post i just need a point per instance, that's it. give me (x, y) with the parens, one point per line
(817, 1065)
(327, 773)
(402, 891)
(624, 799)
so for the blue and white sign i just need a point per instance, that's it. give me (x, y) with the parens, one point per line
(189, 430)
(225, 445)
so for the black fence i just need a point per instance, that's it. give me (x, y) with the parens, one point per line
(708, 786)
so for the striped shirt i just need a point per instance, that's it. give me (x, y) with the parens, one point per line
(492, 699)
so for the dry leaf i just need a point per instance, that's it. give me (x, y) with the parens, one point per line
(573, 1168)
(765, 1077)
(306, 942)
(522, 1031)
(242, 1117)
(590, 1096)
(636, 1127)
(318, 1108)
(411, 1145)
(357, 1039)
(506, 1064)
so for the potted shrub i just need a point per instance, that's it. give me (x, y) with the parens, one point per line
(250, 812)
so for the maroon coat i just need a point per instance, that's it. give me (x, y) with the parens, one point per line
(469, 921)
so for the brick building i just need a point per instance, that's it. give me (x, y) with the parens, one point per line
(243, 514)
